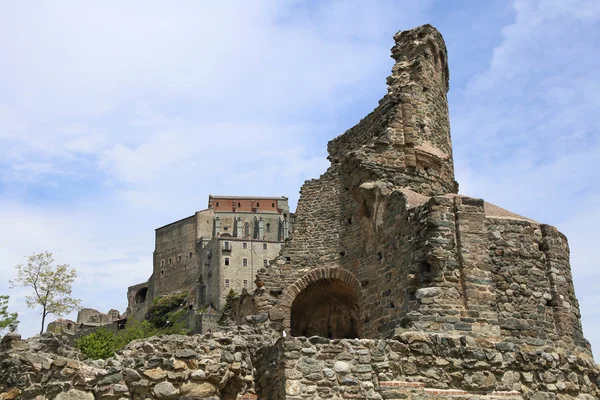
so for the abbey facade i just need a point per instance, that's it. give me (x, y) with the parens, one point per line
(214, 251)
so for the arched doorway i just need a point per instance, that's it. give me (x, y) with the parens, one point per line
(328, 308)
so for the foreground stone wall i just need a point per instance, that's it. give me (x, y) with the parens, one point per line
(422, 366)
(250, 363)
(215, 366)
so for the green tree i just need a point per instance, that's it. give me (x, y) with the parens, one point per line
(8, 321)
(51, 285)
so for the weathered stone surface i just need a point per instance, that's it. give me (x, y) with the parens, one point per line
(74, 394)
(201, 390)
(165, 390)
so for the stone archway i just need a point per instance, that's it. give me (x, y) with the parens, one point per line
(325, 302)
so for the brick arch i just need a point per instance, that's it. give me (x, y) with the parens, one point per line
(315, 276)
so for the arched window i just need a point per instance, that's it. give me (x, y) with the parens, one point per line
(246, 229)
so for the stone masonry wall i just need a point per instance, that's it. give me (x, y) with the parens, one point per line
(422, 366)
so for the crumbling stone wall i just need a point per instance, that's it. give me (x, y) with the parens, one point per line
(215, 366)
(386, 221)
(417, 365)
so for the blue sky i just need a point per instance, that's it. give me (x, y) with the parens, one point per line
(117, 118)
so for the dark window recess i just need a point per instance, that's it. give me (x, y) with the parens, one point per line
(245, 262)
(268, 227)
(162, 271)
(217, 204)
(257, 205)
(239, 204)
(190, 255)
(265, 263)
(245, 245)
(178, 258)
(226, 260)
(169, 261)
(264, 246)
(272, 204)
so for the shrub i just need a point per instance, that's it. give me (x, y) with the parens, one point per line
(103, 343)
(99, 344)
(227, 307)
(165, 311)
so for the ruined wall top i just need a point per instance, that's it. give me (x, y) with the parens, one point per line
(406, 139)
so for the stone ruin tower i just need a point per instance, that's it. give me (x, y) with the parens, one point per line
(384, 244)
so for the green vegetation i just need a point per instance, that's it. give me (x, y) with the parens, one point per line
(51, 285)
(8, 321)
(166, 311)
(102, 343)
(163, 318)
(227, 307)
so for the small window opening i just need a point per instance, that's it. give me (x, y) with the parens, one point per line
(162, 263)
(190, 254)
(265, 262)
(170, 261)
(257, 205)
(380, 256)
(342, 253)
(184, 266)
(245, 245)
(273, 205)
(245, 283)
(226, 260)
(162, 271)
(288, 260)
(349, 221)
(268, 227)
(239, 204)
(226, 282)
(245, 262)
(178, 258)
(217, 204)
(264, 246)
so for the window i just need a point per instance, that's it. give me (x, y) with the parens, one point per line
(239, 204)
(226, 260)
(217, 204)
(265, 262)
(169, 260)
(268, 227)
(245, 282)
(245, 245)
(247, 229)
(245, 262)
(162, 263)
(190, 254)
(184, 266)
(226, 282)
(178, 258)
(264, 246)
(257, 205)
(162, 271)
(273, 205)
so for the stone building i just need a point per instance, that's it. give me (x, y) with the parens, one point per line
(214, 251)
